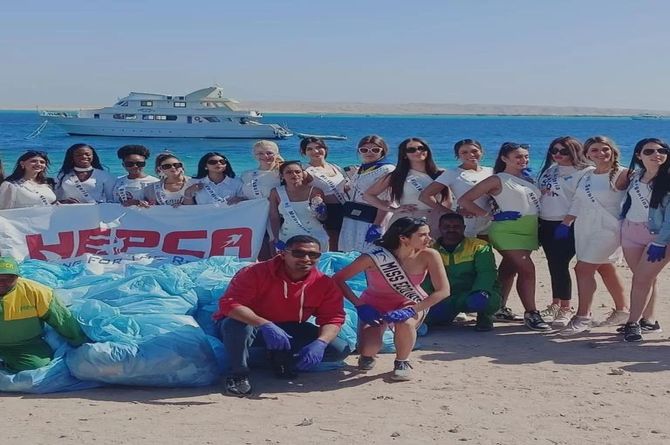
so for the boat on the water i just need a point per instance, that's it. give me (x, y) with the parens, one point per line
(204, 113)
(322, 136)
(647, 116)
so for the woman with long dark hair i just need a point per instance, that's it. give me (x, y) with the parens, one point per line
(82, 177)
(453, 183)
(395, 268)
(564, 166)
(513, 231)
(129, 189)
(364, 223)
(296, 208)
(332, 180)
(645, 232)
(414, 171)
(215, 182)
(170, 190)
(28, 185)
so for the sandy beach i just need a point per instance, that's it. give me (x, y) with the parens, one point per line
(508, 386)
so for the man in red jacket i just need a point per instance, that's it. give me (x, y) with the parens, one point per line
(275, 298)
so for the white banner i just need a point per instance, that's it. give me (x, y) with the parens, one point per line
(111, 234)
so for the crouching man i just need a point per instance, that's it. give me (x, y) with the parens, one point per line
(472, 273)
(275, 298)
(25, 306)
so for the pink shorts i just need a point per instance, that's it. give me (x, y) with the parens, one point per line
(635, 234)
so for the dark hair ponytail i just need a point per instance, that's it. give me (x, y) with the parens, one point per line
(404, 226)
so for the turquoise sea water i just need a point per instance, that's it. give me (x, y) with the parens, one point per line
(440, 131)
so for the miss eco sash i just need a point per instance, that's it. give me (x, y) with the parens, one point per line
(395, 275)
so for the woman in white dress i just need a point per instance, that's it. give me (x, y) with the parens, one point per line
(645, 233)
(414, 171)
(82, 179)
(28, 185)
(259, 182)
(595, 216)
(216, 182)
(296, 208)
(364, 223)
(173, 184)
(129, 189)
(454, 183)
(332, 180)
(564, 167)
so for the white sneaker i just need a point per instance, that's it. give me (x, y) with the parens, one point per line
(461, 317)
(576, 325)
(550, 313)
(563, 317)
(615, 318)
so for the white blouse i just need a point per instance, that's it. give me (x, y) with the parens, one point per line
(97, 188)
(259, 183)
(20, 194)
(126, 189)
(213, 193)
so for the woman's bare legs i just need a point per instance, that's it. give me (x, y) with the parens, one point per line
(518, 263)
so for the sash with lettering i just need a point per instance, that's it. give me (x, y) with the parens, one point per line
(290, 211)
(396, 277)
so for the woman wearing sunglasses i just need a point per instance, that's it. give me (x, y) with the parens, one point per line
(364, 223)
(453, 183)
(216, 183)
(81, 177)
(414, 171)
(645, 232)
(595, 216)
(28, 185)
(513, 231)
(405, 249)
(296, 208)
(332, 180)
(172, 186)
(563, 168)
(129, 189)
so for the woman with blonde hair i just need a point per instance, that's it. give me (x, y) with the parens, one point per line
(595, 216)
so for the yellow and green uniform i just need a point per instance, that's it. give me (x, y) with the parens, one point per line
(23, 312)
(470, 267)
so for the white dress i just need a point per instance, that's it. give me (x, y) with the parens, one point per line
(156, 192)
(97, 188)
(414, 184)
(21, 193)
(213, 193)
(459, 182)
(352, 235)
(597, 227)
(331, 180)
(126, 189)
(299, 219)
(259, 183)
(558, 185)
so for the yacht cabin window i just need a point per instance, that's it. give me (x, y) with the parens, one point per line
(146, 103)
(179, 104)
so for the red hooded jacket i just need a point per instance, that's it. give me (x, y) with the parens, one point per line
(265, 289)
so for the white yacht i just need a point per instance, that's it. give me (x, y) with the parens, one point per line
(204, 113)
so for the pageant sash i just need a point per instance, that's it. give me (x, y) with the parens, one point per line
(394, 274)
(22, 184)
(331, 184)
(288, 208)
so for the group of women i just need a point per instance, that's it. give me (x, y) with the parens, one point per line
(583, 203)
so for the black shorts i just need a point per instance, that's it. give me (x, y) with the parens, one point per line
(335, 217)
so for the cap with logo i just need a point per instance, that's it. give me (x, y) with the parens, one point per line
(8, 266)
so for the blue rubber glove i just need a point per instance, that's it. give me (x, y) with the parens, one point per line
(320, 210)
(477, 300)
(506, 216)
(368, 315)
(311, 355)
(656, 252)
(400, 315)
(374, 233)
(280, 245)
(275, 337)
(562, 231)
(527, 172)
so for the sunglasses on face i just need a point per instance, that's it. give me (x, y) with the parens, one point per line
(415, 149)
(369, 149)
(169, 166)
(299, 253)
(216, 161)
(130, 164)
(562, 151)
(515, 146)
(660, 151)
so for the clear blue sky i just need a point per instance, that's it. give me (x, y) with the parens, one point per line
(529, 52)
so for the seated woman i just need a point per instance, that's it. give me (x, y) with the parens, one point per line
(171, 188)
(129, 190)
(395, 270)
(296, 208)
(28, 185)
(216, 183)
(82, 178)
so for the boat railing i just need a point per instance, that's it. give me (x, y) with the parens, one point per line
(49, 113)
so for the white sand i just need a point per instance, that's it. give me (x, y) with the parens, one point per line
(509, 386)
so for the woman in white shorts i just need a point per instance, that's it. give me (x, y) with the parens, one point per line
(595, 216)
(458, 181)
